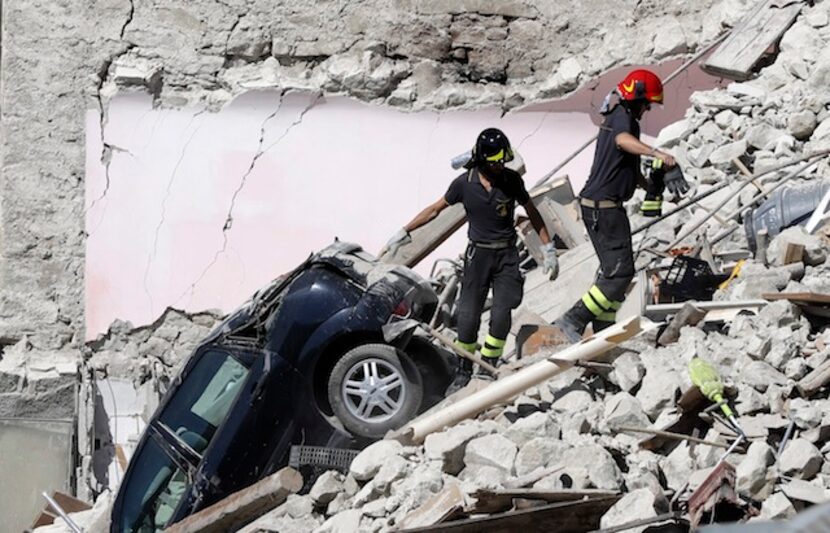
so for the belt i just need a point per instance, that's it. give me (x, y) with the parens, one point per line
(599, 204)
(494, 245)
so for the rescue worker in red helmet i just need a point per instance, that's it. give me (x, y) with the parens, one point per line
(489, 192)
(615, 174)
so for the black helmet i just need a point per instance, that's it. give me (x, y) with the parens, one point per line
(492, 145)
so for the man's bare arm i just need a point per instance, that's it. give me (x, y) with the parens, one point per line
(537, 222)
(429, 212)
(631, 144)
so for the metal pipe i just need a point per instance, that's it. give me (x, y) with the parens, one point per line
(514, 384)
(72, 525)
(742, 184)
(694, 59)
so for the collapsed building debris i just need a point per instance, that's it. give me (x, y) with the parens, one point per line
(575, 435)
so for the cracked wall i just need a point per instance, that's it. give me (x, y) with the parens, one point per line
(62, 59)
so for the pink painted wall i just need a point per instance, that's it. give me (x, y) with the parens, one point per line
(342, 169)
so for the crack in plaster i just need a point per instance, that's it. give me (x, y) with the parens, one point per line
(106, 148)
(260, 152)
(535, 131)
(128, 21)
(164, 200)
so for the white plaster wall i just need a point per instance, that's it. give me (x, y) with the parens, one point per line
(345, 169)
(197, 209)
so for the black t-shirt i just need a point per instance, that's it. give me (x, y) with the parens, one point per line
(490, 214)
(614, 172)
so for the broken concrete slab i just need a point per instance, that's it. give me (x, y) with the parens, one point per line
(800, 459)
(494, 450)
(636, 505)
(368, 462)
(753, 477)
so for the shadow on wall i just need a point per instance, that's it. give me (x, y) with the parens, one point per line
(197, 210)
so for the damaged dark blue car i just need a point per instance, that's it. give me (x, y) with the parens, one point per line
(304, 362)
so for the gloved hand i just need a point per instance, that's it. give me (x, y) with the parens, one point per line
(675, 182)
(551, 262)
(401, 238)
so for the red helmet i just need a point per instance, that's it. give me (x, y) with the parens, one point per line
(641, 84)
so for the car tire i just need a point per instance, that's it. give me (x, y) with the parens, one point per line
(375, 388)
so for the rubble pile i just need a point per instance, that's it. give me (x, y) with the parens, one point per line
(154, 351)
(569, 428)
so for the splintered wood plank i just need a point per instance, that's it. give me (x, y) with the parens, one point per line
(747, 44)
(797, 297)
(441, 507)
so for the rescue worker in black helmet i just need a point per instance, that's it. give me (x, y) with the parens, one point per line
(615, 174)
(489, 192)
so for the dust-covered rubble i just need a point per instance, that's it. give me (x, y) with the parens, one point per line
(782, 114)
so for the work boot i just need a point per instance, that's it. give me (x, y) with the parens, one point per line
(573, 322)
(599, 325)
(463, 373)
(486, 374)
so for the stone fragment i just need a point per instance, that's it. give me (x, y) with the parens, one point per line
(327, 486)
(677, 466)
(801, 124)
(636, 505)
(539, 452)
(675, 132)
(603, 471)
(815, 252)
(570, 70)
(628, 371)
(538, 424)
(752, 474)
(491, 450)
(658, 391)
(449, 445)
(726, 153)
(479, 476)
(392, 470)
(800, 459)
(343, 522)
(804, 491)
(777, 507)
(762, 136)
(669, 39)
(368, 462)
(622, 409)
(761, 375)
(571, 400)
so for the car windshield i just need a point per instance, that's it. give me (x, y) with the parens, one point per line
(193, 414)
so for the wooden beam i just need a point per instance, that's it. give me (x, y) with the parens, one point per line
(583, 515)
(492, 501)
(747, 44)
(243, 506)
(560, 222)
(793, 253)
(815, 380)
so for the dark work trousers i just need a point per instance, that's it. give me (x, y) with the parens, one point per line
(610, 234)
(483, 268)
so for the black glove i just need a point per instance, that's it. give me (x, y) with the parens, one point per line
(652, 206)
(675, 182)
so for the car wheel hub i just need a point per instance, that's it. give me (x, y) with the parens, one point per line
(373, 390)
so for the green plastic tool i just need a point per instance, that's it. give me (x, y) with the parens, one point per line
(706, 378)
